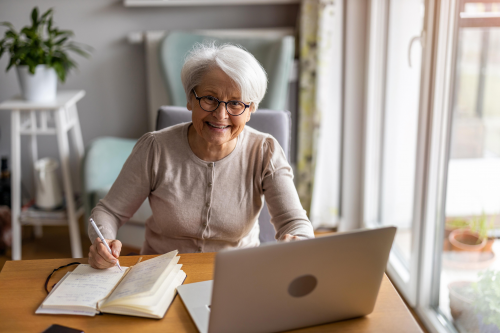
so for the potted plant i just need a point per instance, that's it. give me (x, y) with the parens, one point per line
(451, 224)
(40, 54)
(475, 306)
(482, 225)
(487, 301)
(466, 240)
(462, 299)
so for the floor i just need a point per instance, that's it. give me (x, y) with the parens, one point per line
(55, 244)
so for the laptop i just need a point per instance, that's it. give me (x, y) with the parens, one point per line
(285, 286)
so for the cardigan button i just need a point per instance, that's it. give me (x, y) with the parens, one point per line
(207, 204)
(210, 165)
(210, 184)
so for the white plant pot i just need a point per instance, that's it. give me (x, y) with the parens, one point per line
(38, 87)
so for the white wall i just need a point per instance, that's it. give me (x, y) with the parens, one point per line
(114, 77)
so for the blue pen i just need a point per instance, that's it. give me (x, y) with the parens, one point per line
(103, 240)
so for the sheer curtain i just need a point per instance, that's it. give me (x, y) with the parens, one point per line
(318, 163)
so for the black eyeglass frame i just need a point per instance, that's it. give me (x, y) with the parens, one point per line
(229, 113)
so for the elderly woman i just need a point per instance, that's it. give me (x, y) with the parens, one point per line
(206, 180)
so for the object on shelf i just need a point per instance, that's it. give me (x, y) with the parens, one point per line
(33, 212)
(5, 229)
(5, 196)
(48, 192)
(40, 53)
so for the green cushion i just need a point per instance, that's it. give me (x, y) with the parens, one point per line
(103, 161)
(101, 164)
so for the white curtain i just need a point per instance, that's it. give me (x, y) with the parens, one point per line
(320, 102)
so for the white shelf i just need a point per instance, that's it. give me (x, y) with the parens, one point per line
(63, 99)
(154, 3)
(28, 220)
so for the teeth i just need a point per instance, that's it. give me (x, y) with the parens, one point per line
(221, 127)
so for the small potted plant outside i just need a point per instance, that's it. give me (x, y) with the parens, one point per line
(470, 235)
(466, 240)
(475, 306)
(451, 224)
(487, 301)
(40, 54)
(462, 298)
(482, 225)
(454, 223)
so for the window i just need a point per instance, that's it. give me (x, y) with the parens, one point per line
(433, 155)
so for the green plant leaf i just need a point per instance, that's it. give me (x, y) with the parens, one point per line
(46, 14)
(21, 52)
(79, 50)
(65, 33)
(11, 34)
(61, 41)
(61, 72)
(8, 24)
(30, 33)
(487, 290)
(12, 62)
(34, 16)
(49, 26)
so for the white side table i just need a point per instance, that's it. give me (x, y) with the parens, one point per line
(32, 118)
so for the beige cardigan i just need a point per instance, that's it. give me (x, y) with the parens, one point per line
(200, 206)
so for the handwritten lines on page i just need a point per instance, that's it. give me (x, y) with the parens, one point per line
(41, 310)
(84, 287)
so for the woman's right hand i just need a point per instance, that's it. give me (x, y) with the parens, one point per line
(99, 256)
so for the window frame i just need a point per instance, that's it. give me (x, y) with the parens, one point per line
(405, 278)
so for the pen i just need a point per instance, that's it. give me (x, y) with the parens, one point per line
(103, 240)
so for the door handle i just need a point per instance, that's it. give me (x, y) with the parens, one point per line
(420, 39)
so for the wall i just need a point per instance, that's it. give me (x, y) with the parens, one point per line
(114, 78)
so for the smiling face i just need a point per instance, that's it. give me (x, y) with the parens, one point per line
(217, 130)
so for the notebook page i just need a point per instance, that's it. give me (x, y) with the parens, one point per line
(143, 276)
(41, 310)
(85, 286)
(153, 301)
(162, 300)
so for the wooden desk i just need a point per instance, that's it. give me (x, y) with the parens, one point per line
(22, 291)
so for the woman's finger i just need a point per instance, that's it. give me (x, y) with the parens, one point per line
(103, 252)
(289, 238)
(96, 261)
(116, 247)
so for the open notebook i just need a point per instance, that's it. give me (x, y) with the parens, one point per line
(146, 289)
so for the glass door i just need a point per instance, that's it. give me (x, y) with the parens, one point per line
(392, 173)
(461, 270)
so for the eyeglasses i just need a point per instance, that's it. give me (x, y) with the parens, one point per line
(210, 104)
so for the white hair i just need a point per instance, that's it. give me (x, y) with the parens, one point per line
(240, 65)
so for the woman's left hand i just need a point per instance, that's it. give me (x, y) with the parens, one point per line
(289, 238)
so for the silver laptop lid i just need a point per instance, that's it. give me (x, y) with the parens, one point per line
(291, 285)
